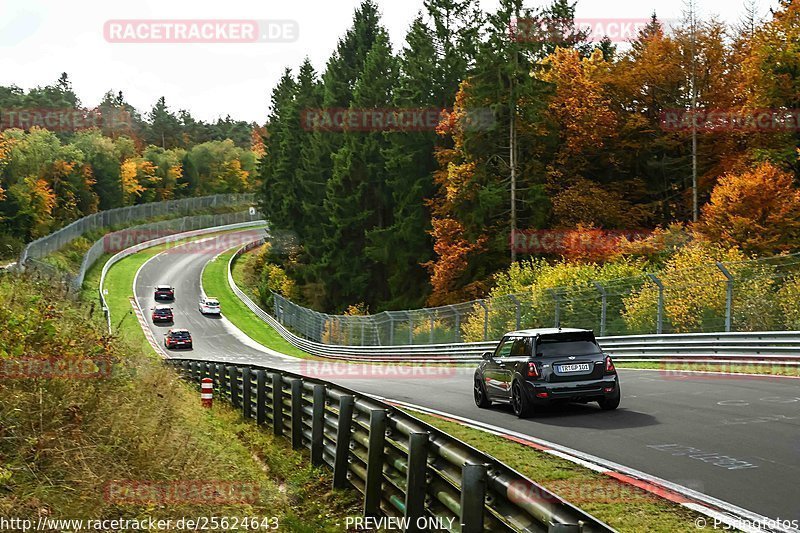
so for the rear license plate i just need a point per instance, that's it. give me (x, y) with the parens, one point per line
(580, 367)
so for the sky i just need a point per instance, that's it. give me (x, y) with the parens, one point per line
(39, 39)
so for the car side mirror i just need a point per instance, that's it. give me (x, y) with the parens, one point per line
(487, 356)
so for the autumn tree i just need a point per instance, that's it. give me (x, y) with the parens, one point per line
(757, 211)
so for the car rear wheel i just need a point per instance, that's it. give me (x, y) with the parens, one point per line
(611, 402)
(479, 392)
(519, 401)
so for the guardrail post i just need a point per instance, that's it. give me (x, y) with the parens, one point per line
(660, 312)
(346, 404)
(318, 425)
(297, 414)
(375, 458)
(604, 303)
(728, 295)
(277, 404)
(233, 383)
(261, 397)
(219, 373)
(416, 481)
(485, 319)
(247, 388)
(473, 495)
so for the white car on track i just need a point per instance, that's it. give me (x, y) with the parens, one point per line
(209, 306)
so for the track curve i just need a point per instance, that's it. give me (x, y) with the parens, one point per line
(734, 438)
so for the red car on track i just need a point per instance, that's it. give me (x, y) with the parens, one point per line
(178, 338)
(162, 313)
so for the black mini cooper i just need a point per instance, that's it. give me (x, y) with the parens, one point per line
(536, 367)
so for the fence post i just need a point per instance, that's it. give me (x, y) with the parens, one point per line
(247, 389)
(416, 481)
(485, 319)
(604, 302)
(557, 297)
(728, 295)
(261, 397)
(346, 404)
(517, 314)
(410, 328)
(473, 495)
(660, 312)
(391, 330)
(457, 331)
(318, 425)
(297, 414)
(432, 319)
(375, 458)
(277, 404)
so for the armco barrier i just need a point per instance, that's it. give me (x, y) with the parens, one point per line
(780, 347)
(402, 466)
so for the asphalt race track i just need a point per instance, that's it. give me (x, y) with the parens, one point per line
(733, 438)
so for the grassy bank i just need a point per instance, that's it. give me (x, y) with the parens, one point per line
(64, 440)
(215, 283)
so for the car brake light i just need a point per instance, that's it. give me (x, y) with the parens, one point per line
(533, 370)
(610, 365)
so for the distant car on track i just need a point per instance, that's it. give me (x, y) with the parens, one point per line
(178, 338)
(536, 367)
(164, 292)
(209, 306)
(162, 313)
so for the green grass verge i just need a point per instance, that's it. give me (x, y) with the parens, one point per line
(215, 283)
(622, 506)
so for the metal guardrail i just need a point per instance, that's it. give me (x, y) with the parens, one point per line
(781, 347)
(402, 466)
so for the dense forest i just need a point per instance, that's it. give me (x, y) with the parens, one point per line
(424, 216)
(60, 160)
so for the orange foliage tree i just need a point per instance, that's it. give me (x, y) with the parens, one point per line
(757, 210)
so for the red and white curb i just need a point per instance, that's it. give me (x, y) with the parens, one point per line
(148, 333)
(718, 511)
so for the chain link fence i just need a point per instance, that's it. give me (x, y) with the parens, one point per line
(752, 295)
(124, 216)
(118, 240)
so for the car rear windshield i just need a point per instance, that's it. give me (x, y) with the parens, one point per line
(180, 334)
(164, 311)
(564, 344)
(212, 303)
